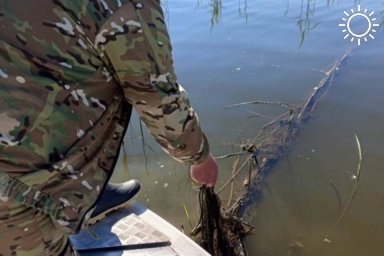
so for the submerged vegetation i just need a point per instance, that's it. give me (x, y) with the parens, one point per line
(305, 19)
(221, 227)
(344, 210)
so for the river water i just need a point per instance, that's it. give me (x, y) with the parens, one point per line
(231, 51)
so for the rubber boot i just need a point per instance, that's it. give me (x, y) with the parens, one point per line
(114, 196)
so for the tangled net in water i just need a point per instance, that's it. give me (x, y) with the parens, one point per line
(219, 232)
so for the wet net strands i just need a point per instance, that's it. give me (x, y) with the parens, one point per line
(220, 230)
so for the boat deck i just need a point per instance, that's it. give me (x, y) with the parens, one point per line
(136, 231)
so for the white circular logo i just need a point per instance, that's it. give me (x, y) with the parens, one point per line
(362, 16)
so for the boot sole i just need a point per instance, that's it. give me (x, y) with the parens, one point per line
(103, 215)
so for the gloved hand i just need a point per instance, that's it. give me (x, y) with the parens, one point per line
(205, 173)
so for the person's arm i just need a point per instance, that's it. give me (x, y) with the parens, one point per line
(135, 42)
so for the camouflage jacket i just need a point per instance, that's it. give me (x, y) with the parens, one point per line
(69, 71)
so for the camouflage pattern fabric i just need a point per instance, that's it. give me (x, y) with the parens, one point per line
(69, 73)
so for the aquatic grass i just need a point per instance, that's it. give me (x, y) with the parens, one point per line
(243, 10)
(216, 12)
(144, 145)
(234, 168)
(216, 7)
(382, 14)
(304, 20)
(339, 205)
(187, 215)
(330, 3)
(353, 193)
(287, 9)
(125, 162)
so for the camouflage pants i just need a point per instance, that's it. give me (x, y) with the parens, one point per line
(25, 231)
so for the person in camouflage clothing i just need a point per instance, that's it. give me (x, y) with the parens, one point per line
(69, 73)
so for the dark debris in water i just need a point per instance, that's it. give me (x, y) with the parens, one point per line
(218, 232)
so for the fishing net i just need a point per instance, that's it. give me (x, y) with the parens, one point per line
(219, 232)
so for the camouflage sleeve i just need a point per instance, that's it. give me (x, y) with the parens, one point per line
(136, 44)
